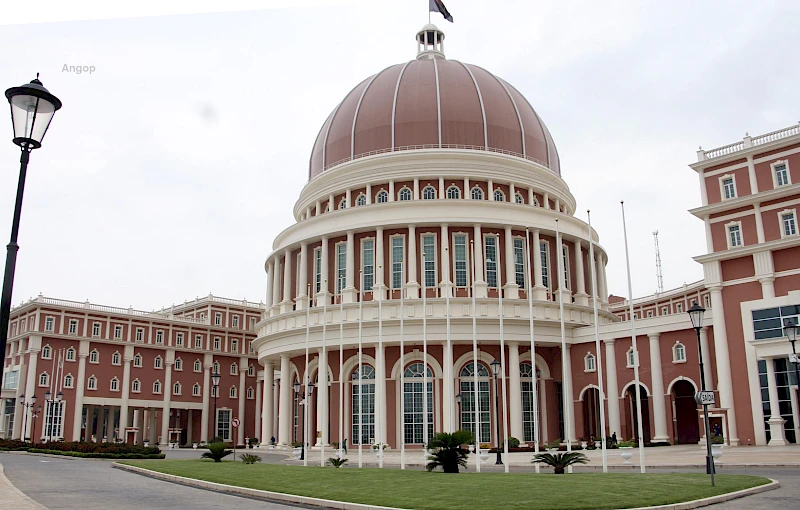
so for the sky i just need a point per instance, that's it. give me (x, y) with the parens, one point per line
(174, 164)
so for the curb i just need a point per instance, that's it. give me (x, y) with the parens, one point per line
(23, 498)
(343, 505)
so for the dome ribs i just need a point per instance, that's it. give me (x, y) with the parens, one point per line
(461, 119)
(480, 98)
(502, 120)
(372, 113)
(394, 100)
(416, 120)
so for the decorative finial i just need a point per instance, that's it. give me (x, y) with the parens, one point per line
(746, 133)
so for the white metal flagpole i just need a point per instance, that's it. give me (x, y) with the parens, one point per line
(322, 381)
(424, 358)
(306, 413)
(638, 405)
(475, 407)
(380, 394)
(529, 290)
(566, 387)
(402, 375)
(449, 358)
(597, 346)
(340, 452)
(360, 363)
(502, 357)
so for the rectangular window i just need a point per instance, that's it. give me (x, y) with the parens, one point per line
(734, 236)
(235, 321)
(117, 332)
(781, 175)
(179, 339)
(96, 330)
(784, 380)
(317, 270)
(224, 424)
(216, 343)
(490, 255)
(789, 225)
(519, 262)
(198, 342)
(398, 260)
(234, 345)
(73, 327)
(728, 188)
(565, 251)
(159, 337)
(544, 253)
(49, 324)
(54, 419)
(252, 323)
(139, 335)
(429, 260)
(368, 263)
(341, 267)
(460, 259)
(218, 319)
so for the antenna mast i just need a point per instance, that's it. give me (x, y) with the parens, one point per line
(659, 275)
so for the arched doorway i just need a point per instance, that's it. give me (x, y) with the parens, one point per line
(591, 413)
(687, 427)
(631, 420)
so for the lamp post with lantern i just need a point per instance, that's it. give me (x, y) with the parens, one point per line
(790, 330)
(32, 110)
(25, 407)
(703, 397)
(496, 371)
(304, 403)
(215, 384)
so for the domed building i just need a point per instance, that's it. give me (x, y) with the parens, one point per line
(425, 238)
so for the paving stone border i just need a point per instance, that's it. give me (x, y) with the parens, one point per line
(14, 498)
(343, 505)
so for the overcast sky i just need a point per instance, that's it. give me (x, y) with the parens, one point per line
(171, 168)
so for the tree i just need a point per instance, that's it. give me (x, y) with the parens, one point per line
(559, 461)
(217, 451)
(446, 451)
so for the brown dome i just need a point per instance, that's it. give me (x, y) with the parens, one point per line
(431, 103)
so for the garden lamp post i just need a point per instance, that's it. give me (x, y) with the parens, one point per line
(790, 330)
(458, 401)
(696, 315)
(496, 371)
(296, 388)
(32, 109)
(25, 407)
(34, 416)
(215, 384)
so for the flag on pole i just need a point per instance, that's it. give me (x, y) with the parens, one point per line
(438, 6)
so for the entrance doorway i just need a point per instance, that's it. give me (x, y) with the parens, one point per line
(687, 425)
(591, 413)
(631, 420)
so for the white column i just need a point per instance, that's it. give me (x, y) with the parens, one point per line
(416, 188)
(531, 196)
(542, 407)
(243, 362)
(442, 193)
(369, 194)
(539, 290)
(659, 402)
(412, 285)
(323, 292)
(287, 304)
(581, 297)
(379, 288)
(268, 404)
(348, 195)
(569, 393)
(706, 356)
(392, 196)
(270, 274)
(350, 293)
(515, 391)
(444, 285)
(512, 193)
(511, 288)
(285, 402)
(190, 427)
(612, 388)
(204, 415)
(776, 431)
(303, 298)
(449, 423)
(724, 380)
(491, 190)
(276, 288)
(167, 402)
(601, 281)
(322, 399)
(481, 287)
(83, 353)
(30, 390)
(546, 200)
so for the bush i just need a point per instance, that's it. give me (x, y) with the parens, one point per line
(217, 440)
(337, 462)
(253, 441)
(217, 452)
(14, 445)
(82, 447)
(554, 444)
(447, 452)
(249, 458)
(717, 440)
(513, 442)
(98, 455)
(296, 444)
(560, 461)
(627, 444)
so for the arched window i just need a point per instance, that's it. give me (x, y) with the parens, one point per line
(234, 368)
(363, 405)
(429, 193)
(71, 354)
(115, 358)
(47, 352)
(91, 384)
(157, 387)
(343, 204)
(137, 360)
(535, 202)
(631, 358)
(198, 367)
(528, 410)
(476, 193)
(114, 384)
(678, 353)
(158, 362)
(94, 356)
(178, 364)
(453, 192)
(382, 197)
(176, 388)
(250, 394)
(589, 363)
(44, 379)
(251, 371)
(232, 392)
(136, 386)
(518, 198)
(467, 388)
(404, 194)
(196, 390)
(499, 196)
(216, 367)
(413, 397)
(361, 200)
(68, 381)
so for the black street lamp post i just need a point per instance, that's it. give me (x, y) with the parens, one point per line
(496, 371)
(215, 383)
(696, 315)
(304, 404)
(790, 329)
(458, 401)
(32, 109)
(25, 407)
(34, 416)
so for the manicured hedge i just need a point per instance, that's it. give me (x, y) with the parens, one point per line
(81, 449)
(99, 455)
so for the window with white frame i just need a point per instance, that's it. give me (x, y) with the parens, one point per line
(342, 204)
(117, 332)
(630, 358)
(519, 262)
(535, 202)
(224, 424)
(69, 381)
(361, 200)
(218, 318)
(251, 371)
(176, 388)
(460, 261)
(788, 223)
(178, 339)
(159, 338)
(453, 192)
(252, 323)
(341, 267)
(217, 341)
(780, 173)
(398, 261)
(679, 307)
(91, 383)
(429, 260)
(490, 255)
(250, 393)
(70, 356)
(363, 405)
(234, 321)
(678, 353)
(368, 263)
(234, 345)
(518, 198)
(649, 313)
(317, 270)
(499, 196)
(73, 327)
(526, 387)
(140, 334)
(565, 251)
(136, 386)
(544, 254)
(250, 347)
(234, 368)
(44, 379)
(178, 365)
(198, 341)
(198, 366)
(47, 352)
(728, 187)
(734, 234)
(137, 360)
(196, 390)
(114, 384)
(664, 310)
(96, 330)
(215, 367)
(49, 324)
(54, 420)
(382, 197)
(158, 362)
(116, 358)
(476, 193)
(429, 193)
(157, 387)
(707, 300)
(232, 392)
(589, 363)
(94, 356)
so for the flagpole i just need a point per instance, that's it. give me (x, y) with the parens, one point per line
(502, 359)
(322, 379)
(565, 377)
(424, 358)
(475, 406)
(597, 346)
(640, 430)
(529, 292)
(340, 453)
(449, 357)
(402, 377)
(305, 387)
(380, 401)
(360, 363)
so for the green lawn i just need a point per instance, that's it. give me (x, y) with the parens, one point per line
(419, 489)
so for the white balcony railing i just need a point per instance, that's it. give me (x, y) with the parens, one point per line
(749, 142)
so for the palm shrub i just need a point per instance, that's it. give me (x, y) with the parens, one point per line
(559, 461)
(217, 451)
(446, 451)
(249, 458)
(337, 462)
